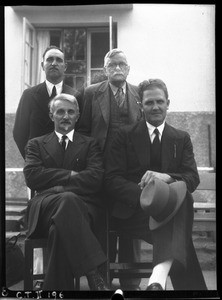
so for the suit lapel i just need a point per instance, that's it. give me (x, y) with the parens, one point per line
(168, 144)
(134, 106)
(42, 99)
(141, 142)
(103, 101)
(54, 149)
(72, 150)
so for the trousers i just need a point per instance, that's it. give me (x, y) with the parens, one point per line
(73, 249)
(170, 241)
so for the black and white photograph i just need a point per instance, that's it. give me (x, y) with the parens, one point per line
(109, 188)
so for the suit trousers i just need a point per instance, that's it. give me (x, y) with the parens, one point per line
(72, 246)
(170, 241)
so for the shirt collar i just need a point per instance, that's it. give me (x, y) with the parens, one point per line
(115, 88)
(151, 128)
(69, 135)
(50, 86)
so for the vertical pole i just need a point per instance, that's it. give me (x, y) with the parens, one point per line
(110, 33)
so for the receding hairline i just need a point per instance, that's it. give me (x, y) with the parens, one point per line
(52, 48)
(63, 97)
(112, 53)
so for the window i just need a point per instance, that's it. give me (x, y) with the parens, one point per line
(28, 54)
(84, 49)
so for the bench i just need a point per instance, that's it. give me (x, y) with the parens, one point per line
(205, 204)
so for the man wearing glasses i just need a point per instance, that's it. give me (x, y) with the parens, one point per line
(108, 105)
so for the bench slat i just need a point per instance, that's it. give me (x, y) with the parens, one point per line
(204, 205)
(15, 209)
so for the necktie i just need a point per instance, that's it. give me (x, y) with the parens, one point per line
(64, 137)
(120, 97)
(155, 158)
(53, 92)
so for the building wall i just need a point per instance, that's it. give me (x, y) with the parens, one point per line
(196, 123)
(13, 59)
(173, 42)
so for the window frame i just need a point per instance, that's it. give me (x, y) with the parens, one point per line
(28, 59)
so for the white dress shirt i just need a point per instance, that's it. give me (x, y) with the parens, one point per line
(69, 137)
(50, 86)
(151, 129)
(115, 89)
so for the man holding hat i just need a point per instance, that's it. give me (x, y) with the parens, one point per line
(150, 175)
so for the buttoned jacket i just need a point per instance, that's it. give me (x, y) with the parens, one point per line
(48, 170)
(95, 118)
(129, 159)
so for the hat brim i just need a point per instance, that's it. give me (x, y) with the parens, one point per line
(180, 189)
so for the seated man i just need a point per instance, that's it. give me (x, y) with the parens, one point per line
(66, 171)
(138, 159)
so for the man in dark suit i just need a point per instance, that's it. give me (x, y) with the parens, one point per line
(132, 164)
(109, 105)
(65, 169)
(32, 117)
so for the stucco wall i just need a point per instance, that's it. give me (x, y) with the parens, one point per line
(196, 123)
(173, 42)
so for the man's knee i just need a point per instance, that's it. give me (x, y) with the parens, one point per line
(71, 203)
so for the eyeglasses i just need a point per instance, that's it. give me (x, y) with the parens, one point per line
(114, 65)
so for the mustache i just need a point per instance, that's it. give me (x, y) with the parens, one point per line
(65, 122)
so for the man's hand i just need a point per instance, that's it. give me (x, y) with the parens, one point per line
(150, 175)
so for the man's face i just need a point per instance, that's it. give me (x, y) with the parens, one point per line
(117, 69)
(54, 65)
(155, 106)
(64, 116)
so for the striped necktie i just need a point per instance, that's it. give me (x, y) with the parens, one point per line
(120, 97)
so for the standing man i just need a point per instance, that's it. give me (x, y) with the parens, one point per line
(32, 116)
(144, 153)
(109, 105)
(65, 169)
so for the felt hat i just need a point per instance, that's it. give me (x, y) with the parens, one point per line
(162, 200)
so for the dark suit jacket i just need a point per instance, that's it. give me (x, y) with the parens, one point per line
(95, 117)
(48, 170)
(32, 116)
(129, 159)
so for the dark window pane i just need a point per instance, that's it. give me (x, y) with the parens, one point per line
(97, 76)
(55, 37)
(80, 44)
(80, 82)
(75, 44)
(99, 47)
(69, 81)
(77, 67)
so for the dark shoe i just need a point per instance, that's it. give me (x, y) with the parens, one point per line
(38, 285)
(96, 282)
(154, 287)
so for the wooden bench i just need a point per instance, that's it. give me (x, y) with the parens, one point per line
(205, 204)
